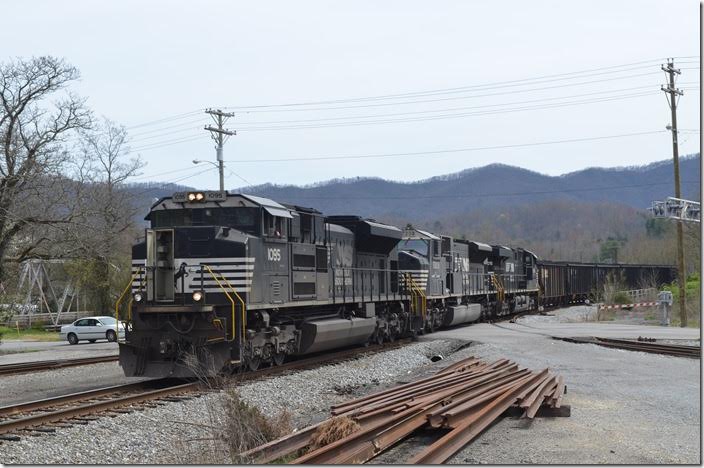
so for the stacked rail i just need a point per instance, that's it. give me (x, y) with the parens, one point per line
(464, 398)
(642, 346)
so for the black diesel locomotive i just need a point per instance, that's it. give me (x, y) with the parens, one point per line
(226, 281)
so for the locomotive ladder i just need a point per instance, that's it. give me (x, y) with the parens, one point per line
(227, 291)
(500, 291)
(122, 297)
(418, 298)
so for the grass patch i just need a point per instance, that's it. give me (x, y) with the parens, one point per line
(5, 352)
(33, 334)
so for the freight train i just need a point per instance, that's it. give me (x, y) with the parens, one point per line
(224, 282)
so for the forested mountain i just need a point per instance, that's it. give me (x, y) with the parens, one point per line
(576, 216)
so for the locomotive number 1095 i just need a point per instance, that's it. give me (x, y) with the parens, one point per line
(273, 255)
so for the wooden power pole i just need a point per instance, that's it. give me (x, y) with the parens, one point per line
(672, 94)
(219, 134)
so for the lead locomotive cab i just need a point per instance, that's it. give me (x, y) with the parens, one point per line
(192, 279)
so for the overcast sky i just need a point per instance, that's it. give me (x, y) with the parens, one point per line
(146, 61)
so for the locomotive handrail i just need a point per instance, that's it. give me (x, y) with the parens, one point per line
(232, 301)
(239, 298)
(416, 293)
(129, 306)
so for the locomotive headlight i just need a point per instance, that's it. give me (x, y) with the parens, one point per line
(199, 196)
(191, 196)
(197, 296)
(137, 297)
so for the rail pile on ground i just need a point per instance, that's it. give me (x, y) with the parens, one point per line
(464, 398)
(641, 345)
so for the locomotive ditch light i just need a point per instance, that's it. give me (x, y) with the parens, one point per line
(197, 296)
(196, 196)
(137, 297)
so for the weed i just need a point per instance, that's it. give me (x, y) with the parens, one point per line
(332, 430)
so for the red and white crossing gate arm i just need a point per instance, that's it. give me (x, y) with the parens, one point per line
(627, 306)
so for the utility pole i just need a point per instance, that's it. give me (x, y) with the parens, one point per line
(672, 93)
(220, 135)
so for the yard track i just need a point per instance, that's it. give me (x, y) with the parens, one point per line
(48, 415)
(25, 367)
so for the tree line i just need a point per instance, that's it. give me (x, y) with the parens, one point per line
(62, 175)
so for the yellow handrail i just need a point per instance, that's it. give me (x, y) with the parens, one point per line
(119, 301)
(232, 301)
(244, 307)
(417, 294)
(499, 287)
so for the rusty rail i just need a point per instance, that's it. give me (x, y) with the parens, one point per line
(642, 346)
(465, 398)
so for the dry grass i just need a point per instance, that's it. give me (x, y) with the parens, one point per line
(228, 427)
(332, 430)
(245, 427)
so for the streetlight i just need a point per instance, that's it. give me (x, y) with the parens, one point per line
(220, 168)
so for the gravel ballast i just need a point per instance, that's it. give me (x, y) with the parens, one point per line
(172, 433)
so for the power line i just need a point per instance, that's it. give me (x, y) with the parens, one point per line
(193, 137)
(156, 145)
(453, 98)
(441, 117)
(557, 98)
(448, 151)
(499, 84)
(180, 125)
(165, 119)
(261, 127)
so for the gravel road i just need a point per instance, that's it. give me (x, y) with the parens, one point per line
(627, 407)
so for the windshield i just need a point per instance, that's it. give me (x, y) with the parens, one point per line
(418, 245)
(245, 219)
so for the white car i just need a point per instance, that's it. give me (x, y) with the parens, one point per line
(92, 329)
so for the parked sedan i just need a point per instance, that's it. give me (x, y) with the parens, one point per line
(92, 329)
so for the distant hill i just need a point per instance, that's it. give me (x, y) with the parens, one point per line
(566, 217)
(492, 186)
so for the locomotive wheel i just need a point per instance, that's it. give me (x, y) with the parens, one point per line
(279, 358)
(253, 363)
(379, 338)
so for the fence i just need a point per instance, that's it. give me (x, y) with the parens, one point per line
(27, 320)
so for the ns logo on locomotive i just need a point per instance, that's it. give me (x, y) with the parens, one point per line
(228, 281)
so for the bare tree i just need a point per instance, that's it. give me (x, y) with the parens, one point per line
(33, 137)
(107, 211)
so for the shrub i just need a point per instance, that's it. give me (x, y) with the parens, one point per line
(245, 427)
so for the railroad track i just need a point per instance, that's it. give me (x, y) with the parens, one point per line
(642, 346)
(47, 415)
(25, 367)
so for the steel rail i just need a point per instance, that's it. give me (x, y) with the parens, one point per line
(24, 367)
(642, 346)
(90, 408)
(11, 410)
(52, 415)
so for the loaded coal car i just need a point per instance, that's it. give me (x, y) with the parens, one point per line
(226, 281)
(565, 283)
